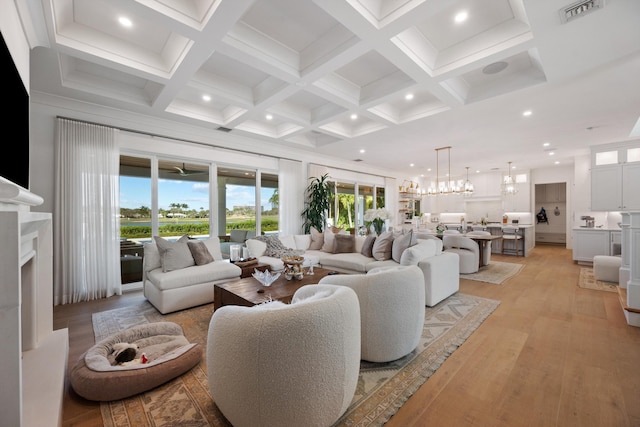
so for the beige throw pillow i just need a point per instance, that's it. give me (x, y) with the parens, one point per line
(400, 244)
(317, 240)
(329, 240)
(174, 255)
(382, 246)
(344, 243)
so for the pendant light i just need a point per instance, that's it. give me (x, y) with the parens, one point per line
(441, 189)
(467, 188)
(509, 185)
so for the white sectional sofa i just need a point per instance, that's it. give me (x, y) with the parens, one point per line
(187, 287)
(440, 269)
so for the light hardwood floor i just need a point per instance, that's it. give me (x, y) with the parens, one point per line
(552, 354)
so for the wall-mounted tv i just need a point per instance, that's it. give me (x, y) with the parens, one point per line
(15, 119)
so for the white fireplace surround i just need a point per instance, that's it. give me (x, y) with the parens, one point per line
(33, 357)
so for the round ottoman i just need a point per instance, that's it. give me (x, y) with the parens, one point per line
(606, 268)
(96, 376)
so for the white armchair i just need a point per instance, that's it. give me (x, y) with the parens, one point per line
(279, 364)
(467, 250)
(392, 309)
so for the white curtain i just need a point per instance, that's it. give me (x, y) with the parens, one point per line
(86, 224)
(291, 186)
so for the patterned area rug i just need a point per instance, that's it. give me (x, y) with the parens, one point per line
(382, 388)
(588, 281)
(495, 272)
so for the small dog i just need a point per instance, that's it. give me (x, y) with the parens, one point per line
(124, 352)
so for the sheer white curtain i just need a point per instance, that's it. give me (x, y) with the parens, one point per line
(291, 186)
(86, 225)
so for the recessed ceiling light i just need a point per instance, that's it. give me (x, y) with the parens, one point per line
(527, 113)
(411, 165)
(206, 98)
(478, 171)
(556, 162)
(125, 22)
(546, 144)
(354, 116)
(269, 117)
(495, 68)
(551, 153)
(428, 169)
(408, 96)
(362, 150)
(461, 16)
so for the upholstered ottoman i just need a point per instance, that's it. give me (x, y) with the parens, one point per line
(96, 376)
(606, 268)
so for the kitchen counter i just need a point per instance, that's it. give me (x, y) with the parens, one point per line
(591, 241)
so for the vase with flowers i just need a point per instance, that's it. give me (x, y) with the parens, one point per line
(377, 218)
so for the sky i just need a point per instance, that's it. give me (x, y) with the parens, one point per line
(136, 192)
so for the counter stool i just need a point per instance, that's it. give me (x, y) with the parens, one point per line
(510, 234)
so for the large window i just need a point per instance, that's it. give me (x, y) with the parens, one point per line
(183, 199)
(237, 200)
(135, 198)
(345, 205)
(269, 200)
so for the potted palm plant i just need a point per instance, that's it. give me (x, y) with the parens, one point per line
(318, 197)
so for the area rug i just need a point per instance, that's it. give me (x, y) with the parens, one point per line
(588, 281)
(382, 388)
(495, 272)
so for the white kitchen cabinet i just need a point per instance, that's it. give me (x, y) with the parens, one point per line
(551, 193)
(615, 170)
(486, 185)
(589, 242)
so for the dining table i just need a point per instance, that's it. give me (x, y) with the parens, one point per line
(483, 241)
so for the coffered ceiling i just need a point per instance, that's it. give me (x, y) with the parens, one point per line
(296, 73)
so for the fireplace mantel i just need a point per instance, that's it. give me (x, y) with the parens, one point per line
(33, 356)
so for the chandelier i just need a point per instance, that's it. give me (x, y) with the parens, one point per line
(411, 189)
(509, 185)
(448, 186)
(467, 188)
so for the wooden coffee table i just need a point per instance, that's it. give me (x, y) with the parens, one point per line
(245, 291)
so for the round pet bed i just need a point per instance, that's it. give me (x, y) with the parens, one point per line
(96, 375)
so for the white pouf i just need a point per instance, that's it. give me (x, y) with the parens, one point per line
(606, 268)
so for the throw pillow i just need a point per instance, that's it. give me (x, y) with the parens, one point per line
(317, 240)
(199, 252)
(256, 247)
(367, 246)
(174, 255)
(400, 244)
(329, 240)
(344, 243)
(213, 246)
(382, 246)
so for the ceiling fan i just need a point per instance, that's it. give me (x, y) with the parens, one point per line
(183, 171)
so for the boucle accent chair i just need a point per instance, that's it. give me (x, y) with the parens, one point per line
(392, 310)
(467, 250)
(286, 365)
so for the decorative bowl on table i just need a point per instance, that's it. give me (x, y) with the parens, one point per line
(293, 267)
(266, 278)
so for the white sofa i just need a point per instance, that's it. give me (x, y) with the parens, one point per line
(441, 270)
(187, 287)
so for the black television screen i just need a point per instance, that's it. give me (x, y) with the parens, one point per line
(16, 123)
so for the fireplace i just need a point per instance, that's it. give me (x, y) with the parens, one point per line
(33, 356)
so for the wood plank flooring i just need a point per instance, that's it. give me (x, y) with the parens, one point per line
(552, 354)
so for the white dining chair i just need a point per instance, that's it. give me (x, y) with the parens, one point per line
(510, 234)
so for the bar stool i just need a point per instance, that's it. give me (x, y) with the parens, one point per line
(510, 234)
